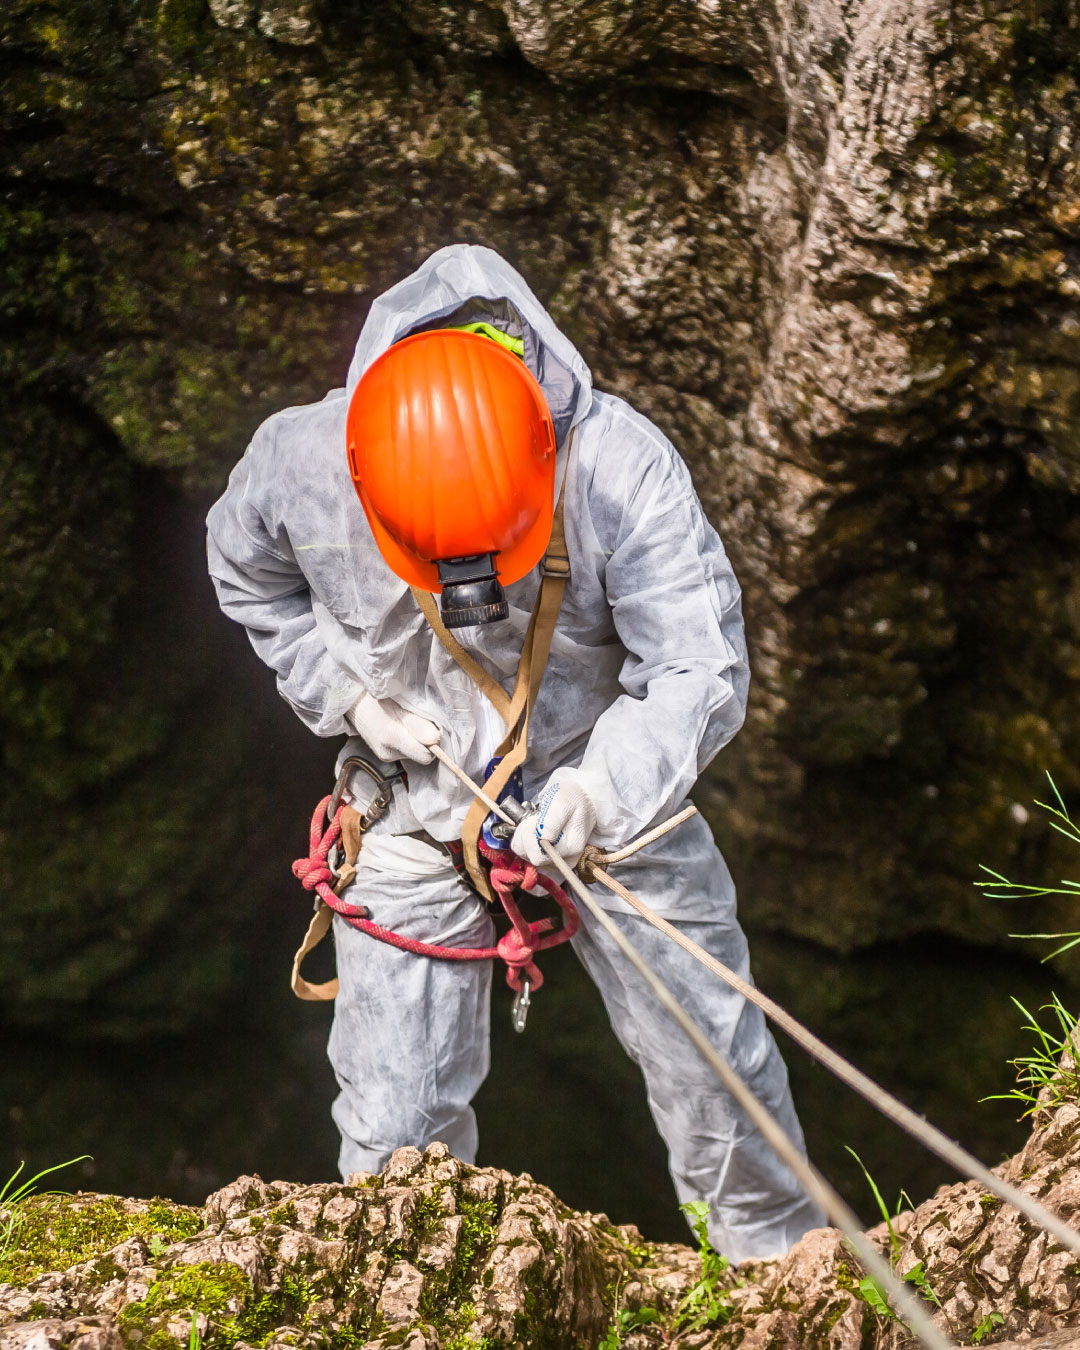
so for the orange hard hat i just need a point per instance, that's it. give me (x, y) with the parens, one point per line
(452, 452)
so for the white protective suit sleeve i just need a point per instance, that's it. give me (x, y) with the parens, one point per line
(676, 607)
(260, 585)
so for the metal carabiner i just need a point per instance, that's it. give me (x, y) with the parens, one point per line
(384, 786)
(520, 1010)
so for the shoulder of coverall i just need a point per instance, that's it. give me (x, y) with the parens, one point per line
(627, 469)
(295, 450)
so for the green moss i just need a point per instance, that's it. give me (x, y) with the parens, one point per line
(182, 27)
(287, 1305)
(834, 1315)
(846, 1278)
(106, 1270)
(57, 1232)
(224, 1294)
(477, 1237)
(640, 1254)
(285, 1213)
(426, 1216)
(218, 1289)
(444, 1302)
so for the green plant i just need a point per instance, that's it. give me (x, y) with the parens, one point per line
(1044, 1070)
(706, 1304)
(1004, 889)
(986, 1326)
(12, 1198)
(624, 1320)
(869, 1288)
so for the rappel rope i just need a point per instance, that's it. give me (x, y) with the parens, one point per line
(815, 1185)
(915, 1125)
(811, 1180)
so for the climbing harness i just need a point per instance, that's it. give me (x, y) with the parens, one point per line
(517, 947)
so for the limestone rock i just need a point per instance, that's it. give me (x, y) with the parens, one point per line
(434, 1253)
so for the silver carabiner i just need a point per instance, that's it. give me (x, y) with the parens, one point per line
(520, 1011)
(384, 785)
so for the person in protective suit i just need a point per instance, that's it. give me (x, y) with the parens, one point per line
(646, 681)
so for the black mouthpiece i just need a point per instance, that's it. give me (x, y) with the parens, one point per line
(470, 591)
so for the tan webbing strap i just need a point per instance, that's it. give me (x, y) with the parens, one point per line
(474, 819)
(515, 710)
(353, 826)
(316, 931)
(534, 658)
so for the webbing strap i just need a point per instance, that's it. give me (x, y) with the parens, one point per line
(317, 929)
(515, 710)
(515, 745)
(353, 825)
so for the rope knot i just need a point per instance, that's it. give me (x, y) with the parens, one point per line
(518, 951)
(509, 871)
(592, 858)
(312, 873)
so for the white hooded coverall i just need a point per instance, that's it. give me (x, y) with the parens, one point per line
(646, 681)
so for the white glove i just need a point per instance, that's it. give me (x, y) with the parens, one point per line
(565, 817)
(392, 733)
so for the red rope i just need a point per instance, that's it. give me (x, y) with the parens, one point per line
(516, 947)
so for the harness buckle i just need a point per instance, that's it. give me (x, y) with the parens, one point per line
(519, 1011)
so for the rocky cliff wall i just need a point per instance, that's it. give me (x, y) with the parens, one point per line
(830, 247)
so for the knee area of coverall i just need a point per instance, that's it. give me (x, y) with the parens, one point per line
(409, 1040)
(735, 1027)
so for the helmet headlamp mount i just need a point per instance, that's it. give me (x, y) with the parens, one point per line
(471, 592)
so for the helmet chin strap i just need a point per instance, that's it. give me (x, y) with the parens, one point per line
(471, 592)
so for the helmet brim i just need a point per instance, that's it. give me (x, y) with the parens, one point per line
(511, 563)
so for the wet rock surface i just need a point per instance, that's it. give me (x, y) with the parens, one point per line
(434, 1253)
(832, 250)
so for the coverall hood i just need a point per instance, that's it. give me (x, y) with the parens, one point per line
(466, 283)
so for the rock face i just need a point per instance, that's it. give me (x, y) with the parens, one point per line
(433, 1253)
(831, 249)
